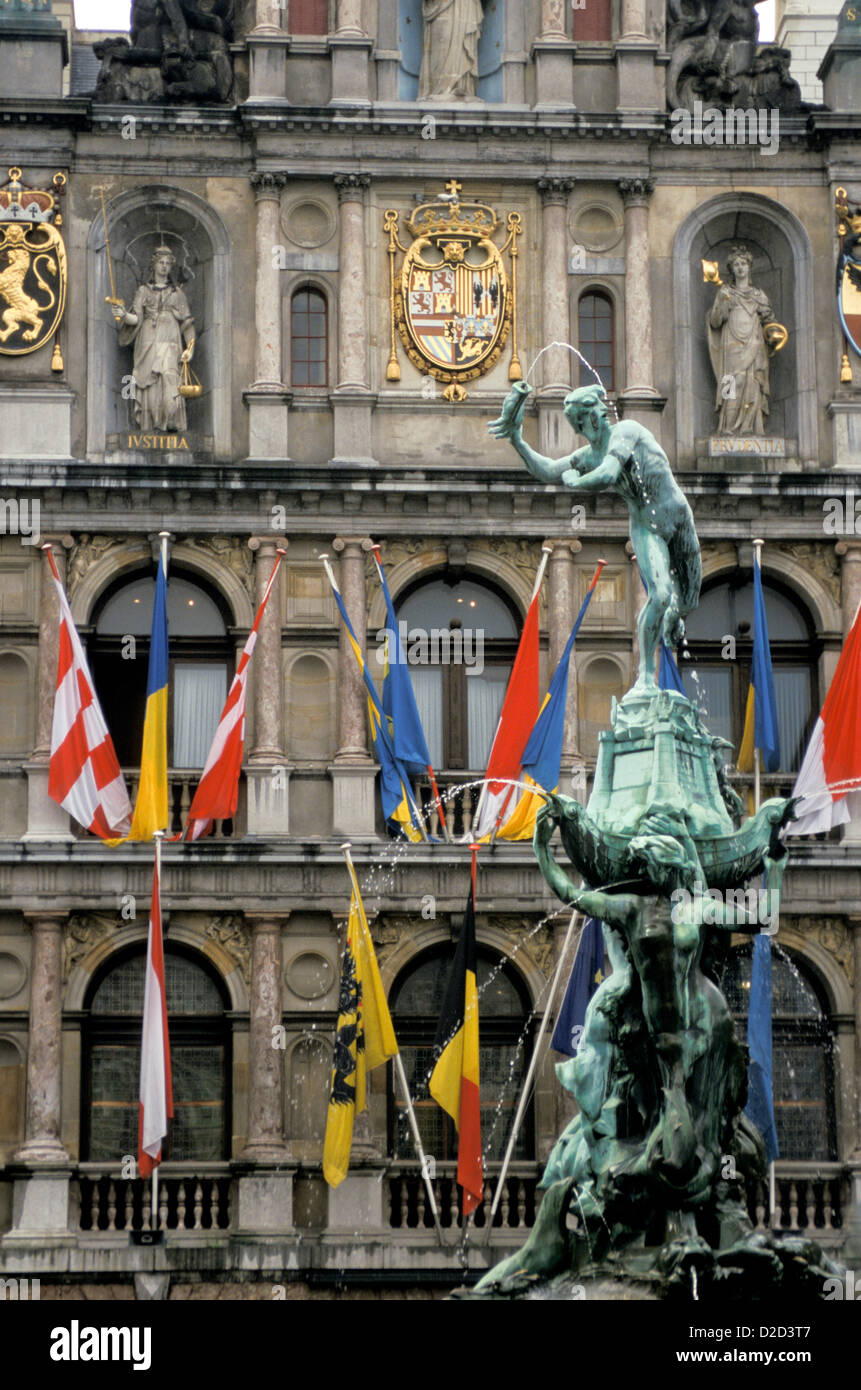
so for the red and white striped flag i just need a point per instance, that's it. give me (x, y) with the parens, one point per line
(218, 789)
(156, 1087)
(83, 775)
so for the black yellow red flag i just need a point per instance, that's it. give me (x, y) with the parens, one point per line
(454, 1080)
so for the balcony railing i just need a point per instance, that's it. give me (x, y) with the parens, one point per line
(809, 1197)
(409, 1207)
(191, 1197)
(181, 786)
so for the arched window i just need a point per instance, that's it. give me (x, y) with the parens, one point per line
(309, 338)
(596, 338)
(803, 1078)
(201, 662)
(461, 640)
(723, 679)
(601, 680)
(200, 1059)
(504, 1047)
(309, 16)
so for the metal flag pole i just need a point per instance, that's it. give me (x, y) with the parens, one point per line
(402, 1077)
(537, 1056)
(408, 791)
(546, 550)
(158, 836)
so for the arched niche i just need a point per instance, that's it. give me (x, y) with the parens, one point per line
(309, 1070)
(132, 556)
(138, 221)
(12, 1075)
(598, 681)
(16, 726)
(311, 685)
(783, 269)
(491, 46)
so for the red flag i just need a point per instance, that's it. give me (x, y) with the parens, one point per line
(830, 778)
(516, 721)
(156, 1087)
(84, 776)
(218, 789)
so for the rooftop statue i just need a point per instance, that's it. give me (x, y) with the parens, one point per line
(178, 52)
(716, 59)
(627, 459)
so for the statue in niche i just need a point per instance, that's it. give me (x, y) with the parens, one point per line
(452, 29)
(161, 327)
(179, 51)
(738, 348)
(716, 59)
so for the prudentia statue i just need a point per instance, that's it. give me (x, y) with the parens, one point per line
(627, 459)
(738, 349)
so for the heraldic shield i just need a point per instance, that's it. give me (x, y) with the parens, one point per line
(849, 274)
(452, 300)
(33, 271)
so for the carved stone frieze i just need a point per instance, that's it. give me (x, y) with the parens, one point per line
(87, 551)
(230, 551)
(229, 930)
(81, 933)
(834, 936)
(819, 560)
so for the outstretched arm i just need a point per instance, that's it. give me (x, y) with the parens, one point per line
(508, 427)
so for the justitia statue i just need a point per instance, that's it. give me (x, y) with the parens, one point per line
(160, 325)
(739, 349)
(627, 459)
(450, 55)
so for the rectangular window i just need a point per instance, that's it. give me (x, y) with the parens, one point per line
(199, 692)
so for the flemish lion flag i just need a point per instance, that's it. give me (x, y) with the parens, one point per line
(454, 1080)
(364, 1039)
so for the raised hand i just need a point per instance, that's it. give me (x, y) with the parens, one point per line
(512, 409)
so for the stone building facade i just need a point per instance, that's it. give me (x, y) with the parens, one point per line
(274, 206)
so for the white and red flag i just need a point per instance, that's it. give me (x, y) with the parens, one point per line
(156, 1087)
(83, 775)
(218, 789)
(829, 783)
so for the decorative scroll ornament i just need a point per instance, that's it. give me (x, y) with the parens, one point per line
(848, 278)
(33, 268)
(452, 300)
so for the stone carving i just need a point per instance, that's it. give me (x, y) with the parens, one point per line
(738, 349)
(834, 936)
(820, 561)
(80, 934)
(452, 29)
(179, 51)
(88, 551)
(158, 323)
(232, 935)
(717, 61)
(229, 551)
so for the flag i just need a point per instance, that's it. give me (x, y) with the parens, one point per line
(760, 724)
(542, 755)
(218, 789)
(830, 777)
(83, 773)
(454, 1079)
(587, 973)
(156, 1087)
(516, 720)
(399, 806)
(669, 675)
(760, 1100)
(399, 701)
(364, 1038)
(151, 803)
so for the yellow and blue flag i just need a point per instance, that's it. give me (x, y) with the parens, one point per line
(542, 756)
(399, 807)
(151, 804)
(399, 701)
(760, 724)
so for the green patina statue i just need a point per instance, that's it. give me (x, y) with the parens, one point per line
(627, 459)
(652, 1169)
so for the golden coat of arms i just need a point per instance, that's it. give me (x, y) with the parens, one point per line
(452, 301)
(33, 269)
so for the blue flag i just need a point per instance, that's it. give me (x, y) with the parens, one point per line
(760, 725)
(760, 1100)
(669, 675)
(399, 701)
(587, 973)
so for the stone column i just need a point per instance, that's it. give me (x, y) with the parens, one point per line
(265, 1142)
(350, 48)
(268, 44)
(353, 770)
(633, 19)
(562, 607)
(553, 55)
(852, 1248)
(45, 819)
(554, 435)
(42, 1142)
(352, 400)
(268, 398)
(267, 773)
(639, 79)
(639, 399)
(850, 580)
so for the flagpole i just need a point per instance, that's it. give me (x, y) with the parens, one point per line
(546, 551)
(401, 1074)
(533, 1066)
(158, 836)
(164, 538)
